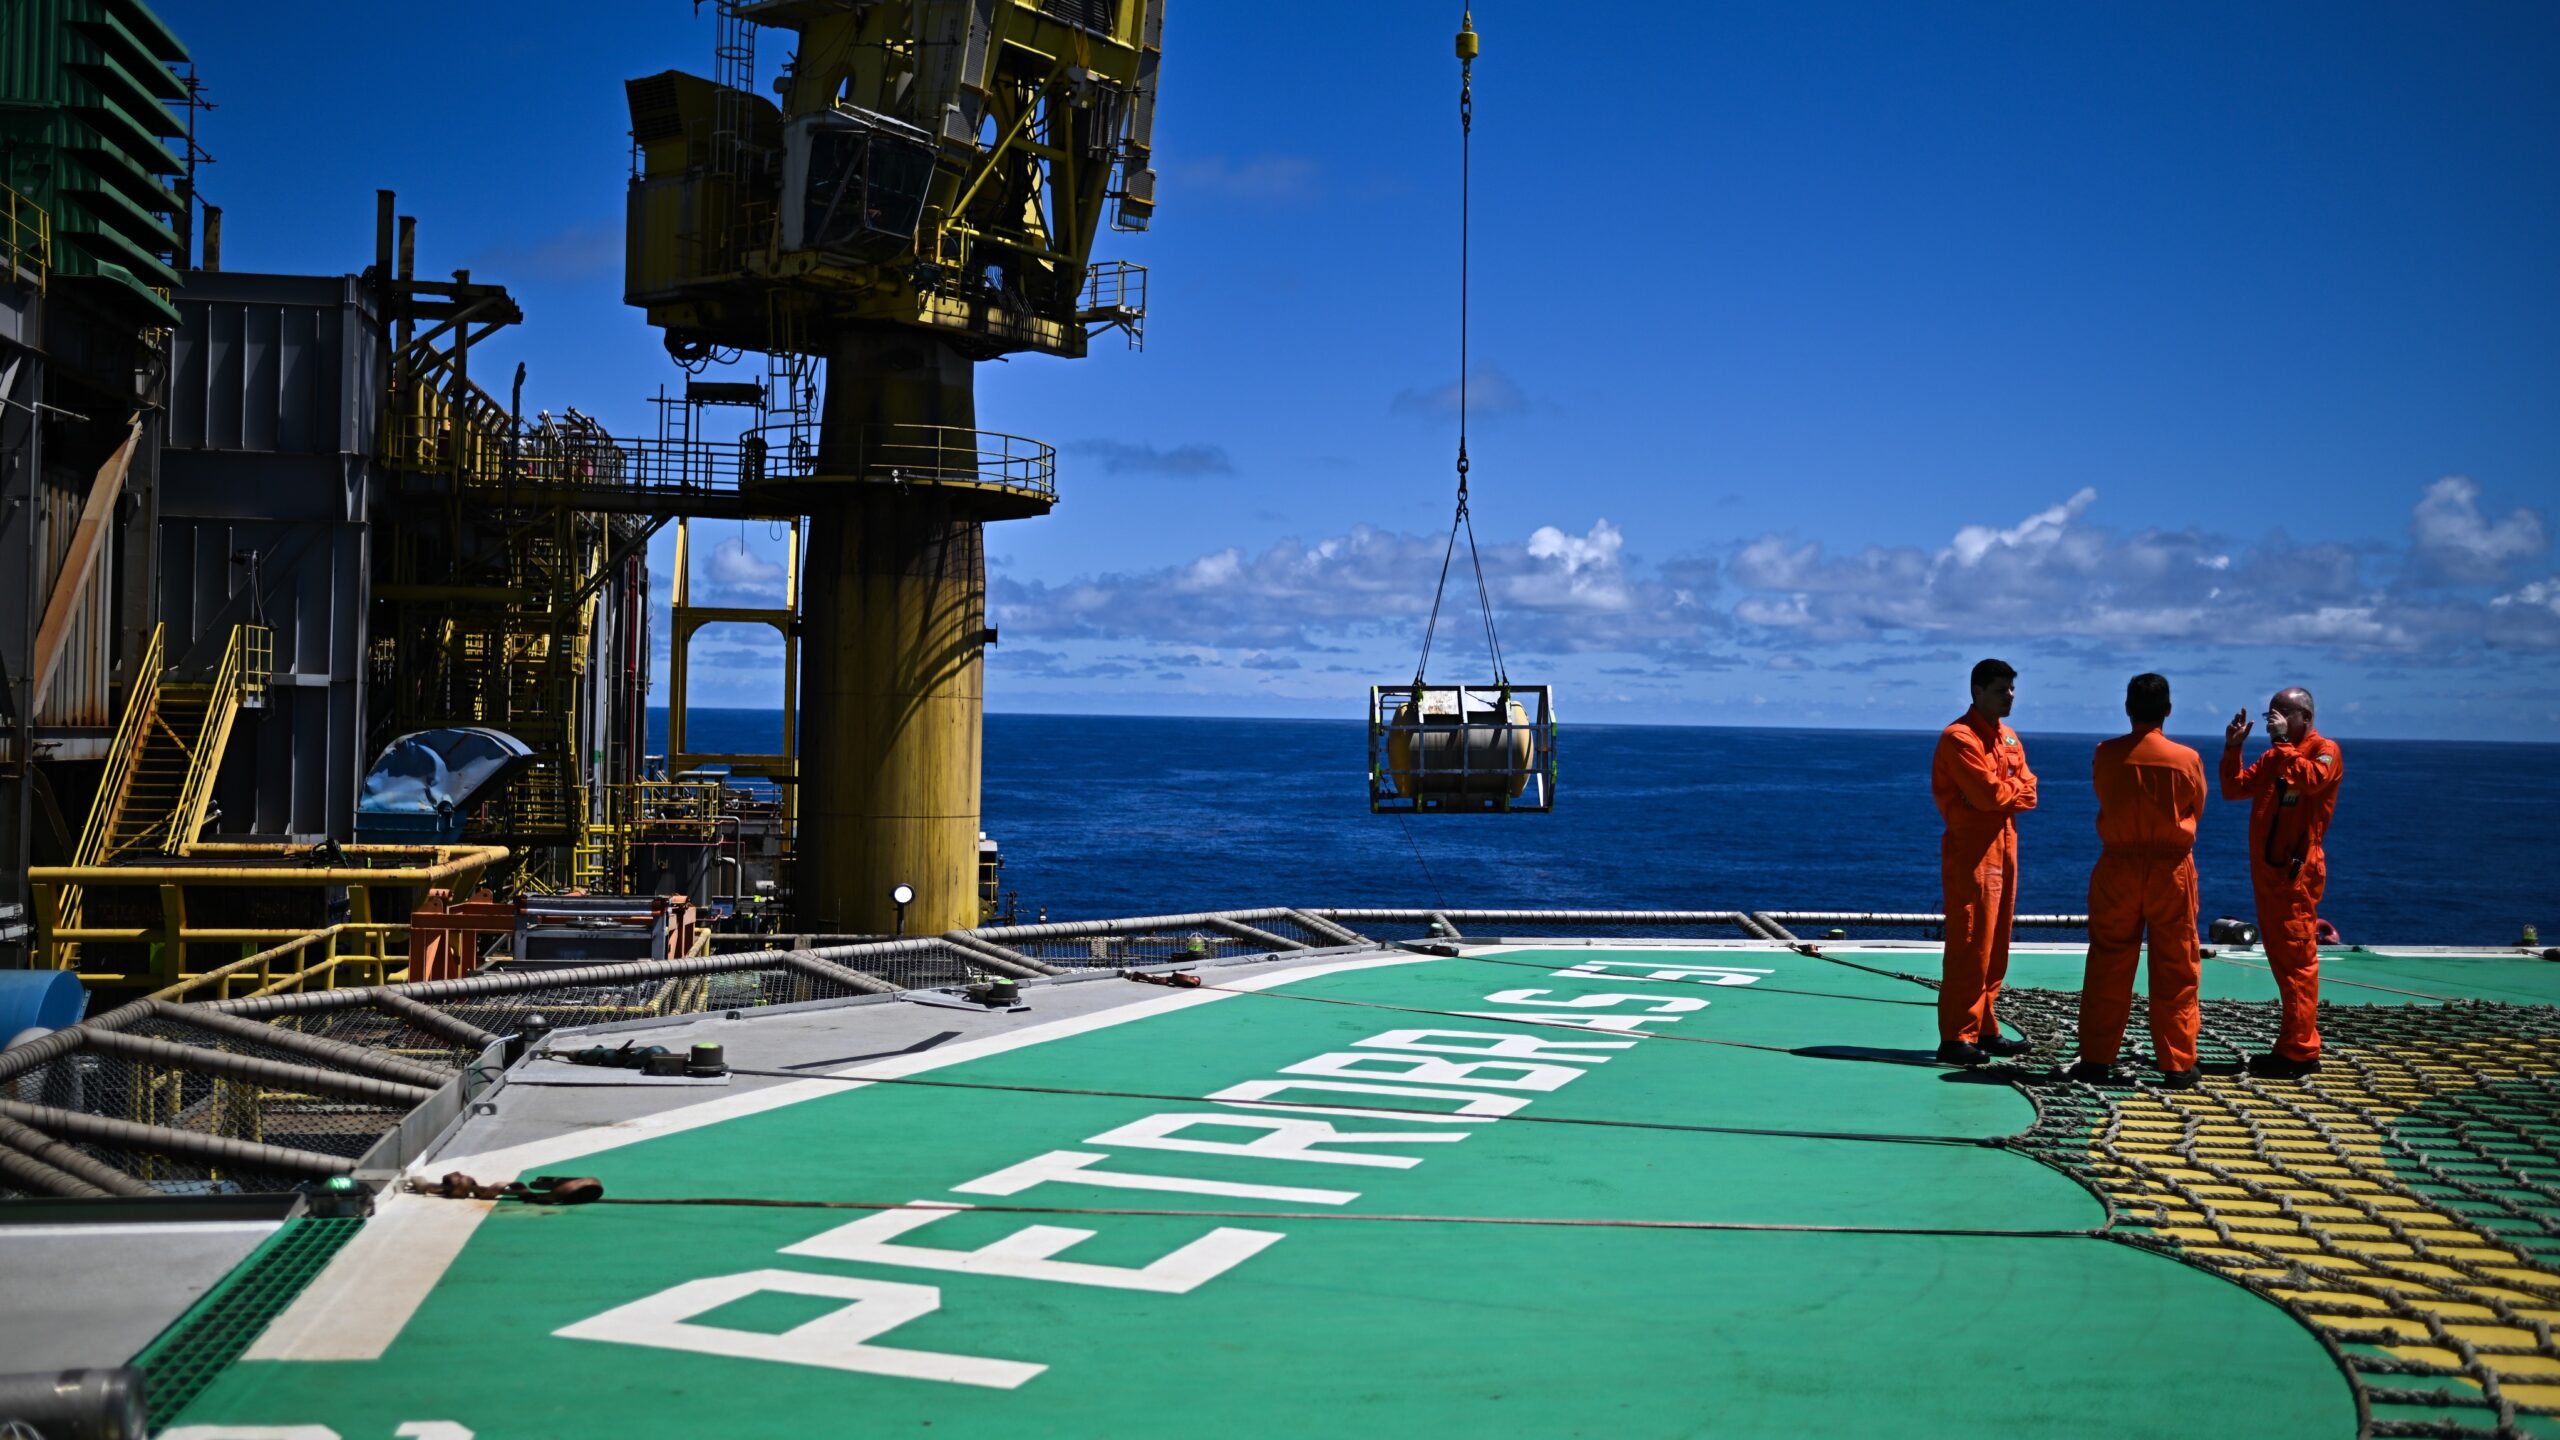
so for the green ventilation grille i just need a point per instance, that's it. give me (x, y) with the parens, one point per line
(218, 1327)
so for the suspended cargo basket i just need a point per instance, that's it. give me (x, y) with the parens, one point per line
(1467, 749)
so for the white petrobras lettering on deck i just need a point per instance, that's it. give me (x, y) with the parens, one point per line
(1493, 1074)
(1658, 970)
(1658, 1009)
(363, 1300)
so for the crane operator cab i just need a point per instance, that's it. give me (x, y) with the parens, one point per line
(1461, 748)
(854, 183)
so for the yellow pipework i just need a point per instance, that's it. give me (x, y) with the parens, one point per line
(451, 862)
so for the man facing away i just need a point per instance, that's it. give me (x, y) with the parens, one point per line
(2150, 795)
(2292, 792)
(1980, 779)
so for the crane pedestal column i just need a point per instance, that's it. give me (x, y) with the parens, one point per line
(893, 625)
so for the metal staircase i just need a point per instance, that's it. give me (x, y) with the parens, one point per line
(157, 790)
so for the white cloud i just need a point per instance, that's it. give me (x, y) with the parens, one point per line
(2460, 544)
(2057, 575)
(731, 565)
(2056, 580)
(2040, 531)
(2527, 618)
(1559, 591)
(1582, 571)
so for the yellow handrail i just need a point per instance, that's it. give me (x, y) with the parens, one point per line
(242, 682)
(27, 238)
(139, 706)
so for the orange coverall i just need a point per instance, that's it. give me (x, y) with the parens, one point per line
(1979, 777)
(2292, 792)
(2150, 794)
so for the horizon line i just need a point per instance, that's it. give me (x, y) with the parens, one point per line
(2254, 736)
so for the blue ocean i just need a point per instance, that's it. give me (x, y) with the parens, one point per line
(2434, 843)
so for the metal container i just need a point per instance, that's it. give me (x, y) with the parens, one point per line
(274, 403)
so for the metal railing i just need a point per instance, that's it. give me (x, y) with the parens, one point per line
(950, 455)
(242, 684)
(435, 437)
(1115, 293)
(198, 902)
(26, 239)
(139, 708)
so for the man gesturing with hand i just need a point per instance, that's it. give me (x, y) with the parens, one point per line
(2292, 791)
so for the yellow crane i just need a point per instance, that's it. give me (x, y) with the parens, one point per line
(925, 196)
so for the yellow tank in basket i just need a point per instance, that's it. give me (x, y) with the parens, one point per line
(1461, 747)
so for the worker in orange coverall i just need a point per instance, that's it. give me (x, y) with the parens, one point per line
(1980, 779)
(2292, 792)
(2150, 795)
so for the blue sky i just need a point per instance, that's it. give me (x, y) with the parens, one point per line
(1818, 349)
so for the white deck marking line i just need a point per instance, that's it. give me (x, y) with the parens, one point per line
(357, 1306)
(144, 1227)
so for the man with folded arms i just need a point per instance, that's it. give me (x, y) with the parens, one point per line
(1980, 781)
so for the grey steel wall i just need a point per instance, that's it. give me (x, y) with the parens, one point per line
(275, 389)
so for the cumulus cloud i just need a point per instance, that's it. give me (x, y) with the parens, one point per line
(1558, 591)
(1490, 395)
(732, 565)
(2040, 530)
(2457, 543)
(2058, 575)
(1129, 457)
(2527, 618)
(2055, 579)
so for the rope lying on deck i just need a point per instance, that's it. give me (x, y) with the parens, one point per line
(1568, 1221)
(1392, 1112)
(2331, 979)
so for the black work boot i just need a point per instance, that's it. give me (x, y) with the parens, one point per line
(2180, 1079)
(1957, 1052)
(2090, 1072)
(2278, 1067)
(1995, 1043)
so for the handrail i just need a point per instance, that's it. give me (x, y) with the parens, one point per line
(432, 434)
(27, 237)
(139, 706)
(223, 972)
(243, 675)
(452, 862)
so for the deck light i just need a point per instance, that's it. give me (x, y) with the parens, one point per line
(899, 895)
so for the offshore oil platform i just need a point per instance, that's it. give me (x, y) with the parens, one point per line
(315, 617)
(392, 1045)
